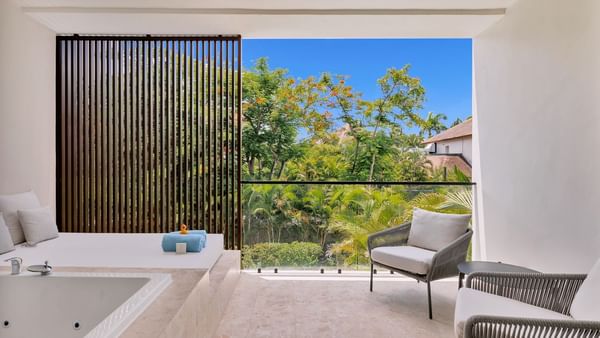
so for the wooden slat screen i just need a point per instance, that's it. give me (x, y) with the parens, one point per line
(149, 134)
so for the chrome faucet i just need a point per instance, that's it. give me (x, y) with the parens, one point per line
(15, 263)
(43, 269)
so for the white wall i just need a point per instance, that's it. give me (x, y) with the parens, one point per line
(461, 145)
(27, 106)
(536, 131)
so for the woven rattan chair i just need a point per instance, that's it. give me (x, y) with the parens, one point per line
(443, 264)
(531, 305)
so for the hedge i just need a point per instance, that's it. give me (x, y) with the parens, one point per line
(295, 254)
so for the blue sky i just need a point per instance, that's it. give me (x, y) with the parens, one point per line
(443, 65)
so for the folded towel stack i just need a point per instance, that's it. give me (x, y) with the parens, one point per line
(195, 240)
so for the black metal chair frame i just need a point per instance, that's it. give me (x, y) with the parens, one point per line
(443, 265)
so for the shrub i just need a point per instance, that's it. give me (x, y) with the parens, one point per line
(295, 254)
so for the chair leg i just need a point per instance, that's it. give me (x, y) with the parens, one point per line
(429, 299)
(371, 284)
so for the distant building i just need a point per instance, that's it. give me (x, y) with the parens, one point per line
(452, 148)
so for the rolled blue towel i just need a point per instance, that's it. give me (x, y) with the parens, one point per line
(195, 241)
(199, 233)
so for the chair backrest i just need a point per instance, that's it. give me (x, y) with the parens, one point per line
(586, 304)
(434, 231)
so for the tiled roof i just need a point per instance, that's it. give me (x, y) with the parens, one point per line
(460, 130)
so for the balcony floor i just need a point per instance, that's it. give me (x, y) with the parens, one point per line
(284, 305)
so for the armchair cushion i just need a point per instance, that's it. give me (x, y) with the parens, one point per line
(472, 302)
(585, 304)
(434, 231)
(407, 258)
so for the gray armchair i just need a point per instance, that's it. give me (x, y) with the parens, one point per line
(390, 250)
(527, 305)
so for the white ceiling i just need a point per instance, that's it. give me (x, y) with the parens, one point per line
(271, 18)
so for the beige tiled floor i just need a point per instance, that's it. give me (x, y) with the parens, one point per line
(338, 307)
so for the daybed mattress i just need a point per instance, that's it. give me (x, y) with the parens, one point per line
(116, 250)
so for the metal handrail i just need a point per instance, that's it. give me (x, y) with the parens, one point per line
(359, 183)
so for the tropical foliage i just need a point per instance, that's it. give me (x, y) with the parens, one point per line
(321, 129)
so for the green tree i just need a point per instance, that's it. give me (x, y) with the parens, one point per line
(401, 97)
(433, 124)
(271, 120)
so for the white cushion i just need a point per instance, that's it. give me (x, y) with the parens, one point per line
(434, 230)
(6, 243)
(585, 304)
(38, 225)
(471, 302)
(407, 258)
(9, 204)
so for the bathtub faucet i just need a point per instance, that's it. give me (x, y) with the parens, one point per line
(15, 263)
(43, 269)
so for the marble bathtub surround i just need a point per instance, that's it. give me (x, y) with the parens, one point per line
(191, 306)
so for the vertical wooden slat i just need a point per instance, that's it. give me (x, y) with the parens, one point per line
(149, 134)
(138, 143)
(80, 128)
(203, 142)
(163, 134)
(185, 113)
(175, 207)
(209, 199)
(233, 143)
(168, 148)
(112, 140)
(121, 141)
(110, 109)
(93, 125)
(70, 142)
(157, 176)
(220, 136)
(178, 136)
(86, 138)
(192, 146)
(226, 231)
(239, 146)
(142, 114)
(77, 138)
(183, 126)
(115, 138)
(105, 110)
(61, 151)
(99, 146)
(198, 142)
(127, 135)
(214, 134)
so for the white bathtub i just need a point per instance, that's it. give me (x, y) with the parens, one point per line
(65, 305)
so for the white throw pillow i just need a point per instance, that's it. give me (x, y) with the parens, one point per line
(9, 204)
(6, 243)
(38, 225)
(434, 230)
(585, 304)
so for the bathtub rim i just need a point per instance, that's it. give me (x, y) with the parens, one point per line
(127, 312)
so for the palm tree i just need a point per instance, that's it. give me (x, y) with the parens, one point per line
(319, 204)
(433, 123)
(363, 211)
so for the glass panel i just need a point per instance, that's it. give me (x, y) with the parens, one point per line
(326, 226)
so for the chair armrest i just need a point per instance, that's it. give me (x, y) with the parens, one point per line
(445, 261)
(500, 327)
(389, 237)
(554, 292)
